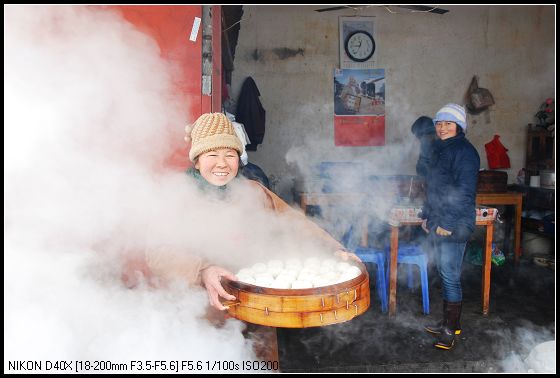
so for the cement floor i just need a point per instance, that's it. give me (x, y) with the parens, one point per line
(522, 314)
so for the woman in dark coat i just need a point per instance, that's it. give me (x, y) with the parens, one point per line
(449, 212)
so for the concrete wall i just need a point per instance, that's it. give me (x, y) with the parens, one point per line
(429, 60)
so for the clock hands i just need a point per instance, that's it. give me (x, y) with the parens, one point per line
(357, 46)
(360, 46)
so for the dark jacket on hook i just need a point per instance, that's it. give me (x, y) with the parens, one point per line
(423, 128)
(251, 113)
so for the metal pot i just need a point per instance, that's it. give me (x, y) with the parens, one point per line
(548, 179)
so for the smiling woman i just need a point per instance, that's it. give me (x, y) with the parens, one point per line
(219, 166)
(215, 152)
(449, 213)
(446, 130)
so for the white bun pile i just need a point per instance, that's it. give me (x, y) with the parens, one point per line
(298, 274)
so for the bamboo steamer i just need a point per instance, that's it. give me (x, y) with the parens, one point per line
(299, 308)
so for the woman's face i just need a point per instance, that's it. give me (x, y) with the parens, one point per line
(446, 129)
(219, 166)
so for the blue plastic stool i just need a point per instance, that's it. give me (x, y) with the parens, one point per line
(370, 255)
(376, 256)
(413, 255)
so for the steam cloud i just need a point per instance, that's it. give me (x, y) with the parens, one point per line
(89, 122)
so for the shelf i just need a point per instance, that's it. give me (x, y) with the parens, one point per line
(535, 198)
(526, 188)
(537, 226)
(540, 150)
(539, 233)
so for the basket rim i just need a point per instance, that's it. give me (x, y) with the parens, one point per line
(330, 289)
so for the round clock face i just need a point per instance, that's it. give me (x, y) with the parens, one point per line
(359, 46)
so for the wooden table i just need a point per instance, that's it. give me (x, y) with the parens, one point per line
(508, 198)
(486, 265)
(318, 199)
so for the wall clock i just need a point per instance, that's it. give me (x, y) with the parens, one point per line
(359, 46)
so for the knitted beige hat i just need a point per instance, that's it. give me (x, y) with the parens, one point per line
(209, 132)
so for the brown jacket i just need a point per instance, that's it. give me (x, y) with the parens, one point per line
(168, 263)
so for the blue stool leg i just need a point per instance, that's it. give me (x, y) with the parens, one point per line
(388, 259)
(376, 257)
(381, 282)
(412, 256)
(410, 277)
(425, 289)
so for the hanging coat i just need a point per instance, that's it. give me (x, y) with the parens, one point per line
(423, 128)
(251, 113)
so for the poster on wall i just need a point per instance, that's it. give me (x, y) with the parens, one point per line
(359, 107)
(356, 42)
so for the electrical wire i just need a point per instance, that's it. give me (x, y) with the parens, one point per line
(388, 9)
(231, 26)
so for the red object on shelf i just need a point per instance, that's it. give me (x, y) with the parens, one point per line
(496, 154)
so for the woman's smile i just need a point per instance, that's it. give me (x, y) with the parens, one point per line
(218, 166)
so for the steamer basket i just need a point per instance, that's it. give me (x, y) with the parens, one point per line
(299, 308)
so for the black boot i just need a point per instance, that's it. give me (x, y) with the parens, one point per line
(438, 327)
(446, 338)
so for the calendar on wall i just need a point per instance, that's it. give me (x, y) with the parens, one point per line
(359, 107)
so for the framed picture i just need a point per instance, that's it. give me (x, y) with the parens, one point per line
(356, 42)
(359, 107)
